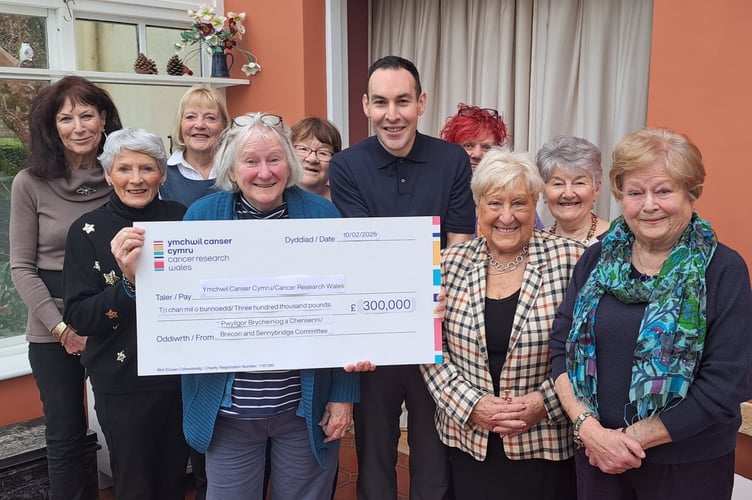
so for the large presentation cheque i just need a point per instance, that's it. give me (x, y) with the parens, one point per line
(248, 295)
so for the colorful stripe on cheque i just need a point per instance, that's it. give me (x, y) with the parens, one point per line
(158, 248)
(437, 286)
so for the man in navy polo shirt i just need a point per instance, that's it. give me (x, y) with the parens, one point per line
(400, 172)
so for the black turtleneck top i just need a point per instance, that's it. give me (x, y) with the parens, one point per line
(96, 303)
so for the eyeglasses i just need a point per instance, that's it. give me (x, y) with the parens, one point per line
(321, 154)
(470, 111)
(250, 119)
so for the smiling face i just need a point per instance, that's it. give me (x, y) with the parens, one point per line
(570, 195)
(200, 128)
(315, 156)
(477, 147)
(80, 127)
(261, 171)
(135, 178)
(656, 208)
(506, 218)
(393, 107)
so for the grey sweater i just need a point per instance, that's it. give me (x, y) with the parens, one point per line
(41, 211)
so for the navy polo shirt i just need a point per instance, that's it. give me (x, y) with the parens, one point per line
(433, 179)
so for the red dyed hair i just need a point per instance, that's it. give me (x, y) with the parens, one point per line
(472, 121)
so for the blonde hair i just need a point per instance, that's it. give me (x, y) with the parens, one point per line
(650, 146)
(201, 96)
(500, 170)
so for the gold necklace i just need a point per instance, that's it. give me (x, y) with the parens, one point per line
(590, 233)
(509, 267)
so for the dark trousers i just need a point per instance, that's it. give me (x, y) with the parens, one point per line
(499, 477)
(689, 481)
(60, 379)
(198, 468)
(377, 435)
(144, 433)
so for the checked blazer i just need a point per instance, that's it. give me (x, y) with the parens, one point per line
(458, 383)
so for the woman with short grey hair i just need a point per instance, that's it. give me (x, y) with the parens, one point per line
(268, 126)
(496, 408)
(141, 417)
(133, 139)
(571, 169)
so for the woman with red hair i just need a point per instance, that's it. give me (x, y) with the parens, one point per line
(475, 129)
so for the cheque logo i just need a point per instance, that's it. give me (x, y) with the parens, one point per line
(159, 255)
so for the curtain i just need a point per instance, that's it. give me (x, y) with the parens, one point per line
(575, 67)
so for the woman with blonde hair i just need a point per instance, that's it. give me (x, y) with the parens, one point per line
(495, 402)
(650, 348)
(200, 120)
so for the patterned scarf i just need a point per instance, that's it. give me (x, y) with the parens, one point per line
(672, 333)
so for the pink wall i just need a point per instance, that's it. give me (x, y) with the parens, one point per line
(288, 38)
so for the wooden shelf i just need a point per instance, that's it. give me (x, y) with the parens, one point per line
(12, 73)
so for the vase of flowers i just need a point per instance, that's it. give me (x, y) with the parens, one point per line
(218, 36)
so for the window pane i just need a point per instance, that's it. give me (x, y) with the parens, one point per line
(15, 97)
(160, 46)
(147, 106)
(16, 30)
(104, 46)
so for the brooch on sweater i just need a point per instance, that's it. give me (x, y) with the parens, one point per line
(111, 278)
(120, 356)
(86, 190)
(88, 228)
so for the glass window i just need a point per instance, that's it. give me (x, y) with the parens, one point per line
(15, 97)
(146, 106)
(23, 40)
(101, 45)
(160, 46)
(106, 46)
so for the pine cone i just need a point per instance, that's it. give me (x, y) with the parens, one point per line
(144, 65)
(175, 66)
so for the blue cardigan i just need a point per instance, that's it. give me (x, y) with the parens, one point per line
(204, 394)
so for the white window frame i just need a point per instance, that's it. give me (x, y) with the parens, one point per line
(61, 50)
(61, 55)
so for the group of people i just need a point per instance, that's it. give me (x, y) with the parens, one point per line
(524, 402)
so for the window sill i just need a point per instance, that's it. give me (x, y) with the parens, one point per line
(14, 358)
(12, 73)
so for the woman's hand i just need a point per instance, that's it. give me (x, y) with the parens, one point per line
(126, 247)
(499, 415)
(441, 302)
(72, 341)
(336, 420)
(534, 411)
(360, 366)
(611, 450)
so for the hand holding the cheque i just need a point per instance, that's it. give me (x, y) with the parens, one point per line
(126, 247)
(360, 366)
(368, 366)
